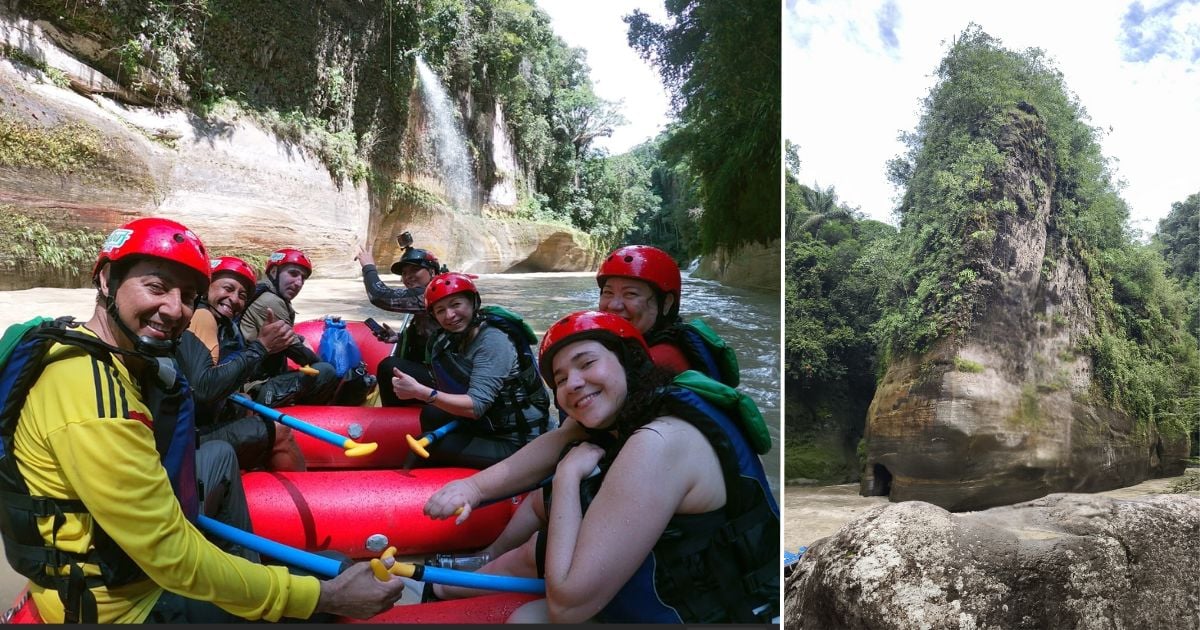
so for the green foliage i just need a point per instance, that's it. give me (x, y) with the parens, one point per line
(674, 225)
(966, 365)
(721, 59)
(406, 194)
(1178, 238)
(62, 148)
(616, 193)
(29, 244)
(986, 100)
(338, 150)
(811, 461)
(833, 271)
(55, 76)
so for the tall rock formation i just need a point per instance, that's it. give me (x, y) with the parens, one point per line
(1008, 410)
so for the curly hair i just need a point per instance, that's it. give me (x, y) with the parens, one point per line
(646, 385)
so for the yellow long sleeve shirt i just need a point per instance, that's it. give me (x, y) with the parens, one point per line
(85, 434)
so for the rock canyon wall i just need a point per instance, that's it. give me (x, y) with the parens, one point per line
(90, 155)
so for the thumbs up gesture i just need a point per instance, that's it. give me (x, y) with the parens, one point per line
(276, 335)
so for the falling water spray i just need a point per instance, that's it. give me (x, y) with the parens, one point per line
(449, 142)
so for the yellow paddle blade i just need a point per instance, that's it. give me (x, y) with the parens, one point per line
(418, 446)
(354, 449)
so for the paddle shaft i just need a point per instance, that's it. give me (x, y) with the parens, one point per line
(328, 567)
(291, 421)
(317, 564)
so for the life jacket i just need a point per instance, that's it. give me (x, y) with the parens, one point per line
(704, 349)
(276, 364)
(229, 336)
(521, 398)
(23, 352)
(721, 566)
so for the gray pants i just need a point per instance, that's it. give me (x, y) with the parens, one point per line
(223, 497)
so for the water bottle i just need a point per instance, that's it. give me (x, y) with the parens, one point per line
(460, 562)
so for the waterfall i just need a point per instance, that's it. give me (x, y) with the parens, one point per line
(448, 140)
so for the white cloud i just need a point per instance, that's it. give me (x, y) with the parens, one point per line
(847, 95)
(618, 74)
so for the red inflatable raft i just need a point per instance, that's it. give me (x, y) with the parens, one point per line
(341, 510)
(386, 426)
(490, 609)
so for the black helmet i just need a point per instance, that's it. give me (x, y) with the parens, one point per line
(419, 257)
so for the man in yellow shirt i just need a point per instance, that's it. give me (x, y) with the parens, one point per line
(96, 446)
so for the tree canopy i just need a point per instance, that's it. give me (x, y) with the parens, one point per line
(721, 60)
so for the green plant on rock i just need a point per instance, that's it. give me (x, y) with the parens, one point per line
(29, 244)
(61, 148)
(966, 365)
(406, 194)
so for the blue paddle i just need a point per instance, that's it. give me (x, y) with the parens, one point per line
(328, 567)
(352, 448)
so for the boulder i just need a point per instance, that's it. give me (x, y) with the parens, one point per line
(1062, 561)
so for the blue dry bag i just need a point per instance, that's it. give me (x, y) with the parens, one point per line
(338, 347)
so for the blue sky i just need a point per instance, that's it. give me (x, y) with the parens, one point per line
(618, 74)
(855, 73)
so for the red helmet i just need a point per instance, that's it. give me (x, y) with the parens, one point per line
(645, 263)
(444, 285)
(239, 268)
(584, 325)
(158, 238)
(289, 256)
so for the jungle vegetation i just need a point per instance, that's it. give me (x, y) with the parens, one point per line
(859, 295)
(335, 80)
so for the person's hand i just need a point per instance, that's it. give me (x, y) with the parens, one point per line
(364, 256)
(386, 334)
(276, 335)
(357, 593)
(579, 462)
(405, 386)
(460, 493)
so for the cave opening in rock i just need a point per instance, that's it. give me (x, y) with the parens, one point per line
(881, 482)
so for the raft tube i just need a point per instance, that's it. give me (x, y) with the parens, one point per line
(341, 510)
(489, 609)
(373, 350)
(385, 426)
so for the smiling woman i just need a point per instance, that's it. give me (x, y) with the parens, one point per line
(481, 377)
(610, 545)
